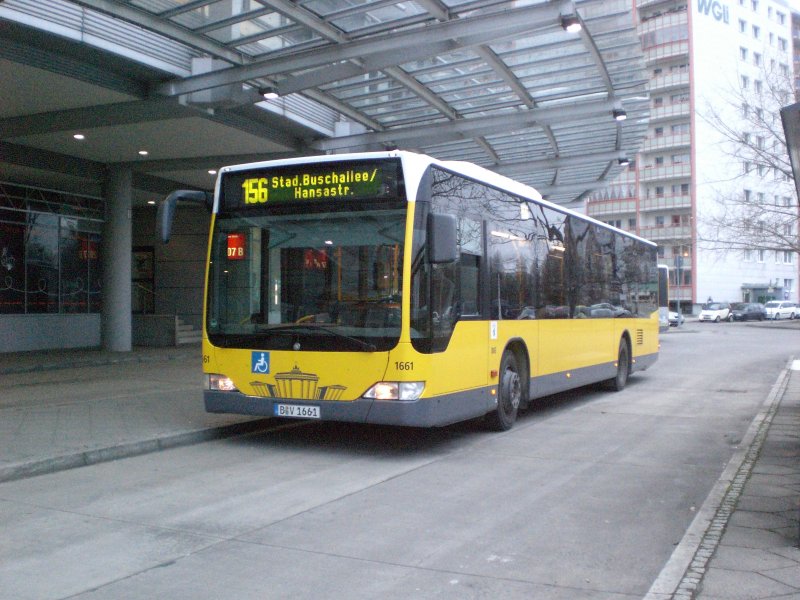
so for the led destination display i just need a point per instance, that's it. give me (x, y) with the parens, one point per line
(324, 181)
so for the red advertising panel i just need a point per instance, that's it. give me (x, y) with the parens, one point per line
(236, 245)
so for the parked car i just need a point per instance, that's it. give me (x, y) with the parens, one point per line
(675, 319)
(748, 311)
(715, 312)
(781, 309)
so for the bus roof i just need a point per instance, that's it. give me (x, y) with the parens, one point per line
(422, 161)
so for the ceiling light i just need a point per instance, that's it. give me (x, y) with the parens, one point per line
(79, 136)
(571, 23)
(151, 201)
(143, 153)
(623, 161)
(619, 114)
(212, 171)
(269, 92)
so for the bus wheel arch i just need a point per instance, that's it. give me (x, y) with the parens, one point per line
(624, 363)
(512, 387)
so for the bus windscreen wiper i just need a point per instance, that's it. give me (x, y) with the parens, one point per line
(294, 327)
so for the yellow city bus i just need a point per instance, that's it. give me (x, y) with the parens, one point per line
(394, 288)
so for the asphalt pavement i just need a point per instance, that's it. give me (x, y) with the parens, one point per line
(71, 408)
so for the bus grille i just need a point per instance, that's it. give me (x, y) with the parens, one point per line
(639, 337)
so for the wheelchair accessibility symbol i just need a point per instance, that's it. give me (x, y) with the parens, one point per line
(259, 362)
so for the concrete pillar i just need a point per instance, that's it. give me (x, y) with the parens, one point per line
(117, 232)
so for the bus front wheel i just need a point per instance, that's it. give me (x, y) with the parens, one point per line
(509, 394)
(617, 383)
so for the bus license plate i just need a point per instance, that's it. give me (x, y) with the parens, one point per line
(297, 411)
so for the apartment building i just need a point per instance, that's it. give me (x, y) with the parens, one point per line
(707, 61)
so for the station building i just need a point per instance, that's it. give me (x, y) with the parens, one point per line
(109, 105)
(708, 57)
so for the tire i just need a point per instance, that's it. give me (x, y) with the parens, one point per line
(509, 394)
(618, 382)
(717, 319)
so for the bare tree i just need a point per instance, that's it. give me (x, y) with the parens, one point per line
(752, 219)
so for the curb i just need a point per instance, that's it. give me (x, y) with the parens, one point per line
(682, 575)
(130, 449)
(100, 360)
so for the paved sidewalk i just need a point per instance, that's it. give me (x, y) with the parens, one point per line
(744, 543)
(69, 408)
(66, 409)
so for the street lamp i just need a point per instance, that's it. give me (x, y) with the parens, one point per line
(678, 265)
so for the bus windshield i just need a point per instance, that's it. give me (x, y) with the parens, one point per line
(321, 277)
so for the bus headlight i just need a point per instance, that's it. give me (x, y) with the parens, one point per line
(396, 390)
(219, 383)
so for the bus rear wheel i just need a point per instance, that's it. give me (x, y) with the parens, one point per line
(509, 394)
(618, 382)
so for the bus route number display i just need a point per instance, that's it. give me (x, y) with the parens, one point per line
(312, 182)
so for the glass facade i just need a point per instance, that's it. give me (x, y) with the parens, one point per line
(49, 252)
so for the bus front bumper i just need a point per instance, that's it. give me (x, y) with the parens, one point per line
(425, 412)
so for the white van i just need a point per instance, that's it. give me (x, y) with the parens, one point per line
(781, 309)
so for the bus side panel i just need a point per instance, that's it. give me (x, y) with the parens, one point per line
(568, 344)
(459, 374)
(644, 341)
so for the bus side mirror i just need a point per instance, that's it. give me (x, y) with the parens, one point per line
(442, 239)
(166, 210)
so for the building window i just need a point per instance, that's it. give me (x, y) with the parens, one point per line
(788, 285)
(782, 44)
(50, 252)
(756, 31)
(743, 53)
(632, 224)
(748, 255)
(781, 18)
(761, 256)
(659, 222)
(742, 25)
(745, 82)
(754, 4)
(788, 257)
(757, 86)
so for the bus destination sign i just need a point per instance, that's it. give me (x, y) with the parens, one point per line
(321, 181)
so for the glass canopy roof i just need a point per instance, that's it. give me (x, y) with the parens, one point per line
(501, 83)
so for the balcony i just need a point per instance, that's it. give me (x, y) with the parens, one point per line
(663, 142)
(666, 19)
(601, 208)
(670, 262)
(680, 292)
(671, 112)
(666, 202)
(679, 171)
(667, 232)
(669, 81)
(666, 51)
(641, 4)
